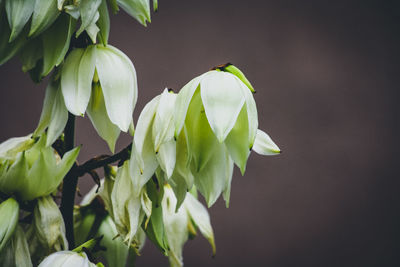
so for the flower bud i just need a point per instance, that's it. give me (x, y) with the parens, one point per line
(67, 259)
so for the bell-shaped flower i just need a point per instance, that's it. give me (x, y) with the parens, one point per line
(153, 142)
(48, 226)
(9, 211)
(32, 169)
(67, 259)
(102, 81)
(179, 224)
(219, 116)
(128, 209)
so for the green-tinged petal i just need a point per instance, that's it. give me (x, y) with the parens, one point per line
(56, 41)
(141, 175)
(226, 194)
(9, 211)
(237, 142)
(182, 103)
(98, 115)
(44, 14)
(15, 177)
(58, 120)
(199, 214)
(144, 127)
(264, 145)
(175, 227)
(155, 230)
(116, 252)
(222, 99)
(126, 206)
(163, 133)
(211, 180)
(11, 147)
(104, 22)
(238, 73)
(76, 79)
(87, 9)
(251, 107)
(200, 138)
(146, 206)
(65, 165)
(73, 11)
(118, 80)
(178, 184)
(163, 120)
(18, 14)
(92, 30)
(138, 9)
(60, 4)
(49, 224)
(48, 103)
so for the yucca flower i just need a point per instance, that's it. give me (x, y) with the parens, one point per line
(219, 116)
(30, 169)
(67, 259)
(100, 80)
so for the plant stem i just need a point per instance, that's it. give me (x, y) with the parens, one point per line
(69, 185)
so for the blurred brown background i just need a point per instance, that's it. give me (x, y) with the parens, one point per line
(326, 74)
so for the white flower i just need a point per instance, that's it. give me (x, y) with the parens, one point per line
(67, 259)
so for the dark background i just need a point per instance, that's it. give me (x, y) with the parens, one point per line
(326, 75)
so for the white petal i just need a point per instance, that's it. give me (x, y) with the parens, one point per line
(58, 120)
(98, 115)
(264, 145)
(251, 113)
(166, 156)
(76, 79)
(163, 119)
(118, 80)
(223, 99)
(182, 103)
(199, 215)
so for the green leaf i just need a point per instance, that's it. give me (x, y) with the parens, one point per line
(18, 13)
(104, 23)
(44, 14)
(98, 115)
(138, 9)
(223, 99)
(117, 77)
(88, 10)
(56, 41)
(76, 79)
(9, 211)
(264, 145)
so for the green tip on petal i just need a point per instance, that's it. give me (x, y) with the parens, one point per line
(228, 67)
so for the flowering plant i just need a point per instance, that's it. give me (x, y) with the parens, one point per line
(184, 143)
